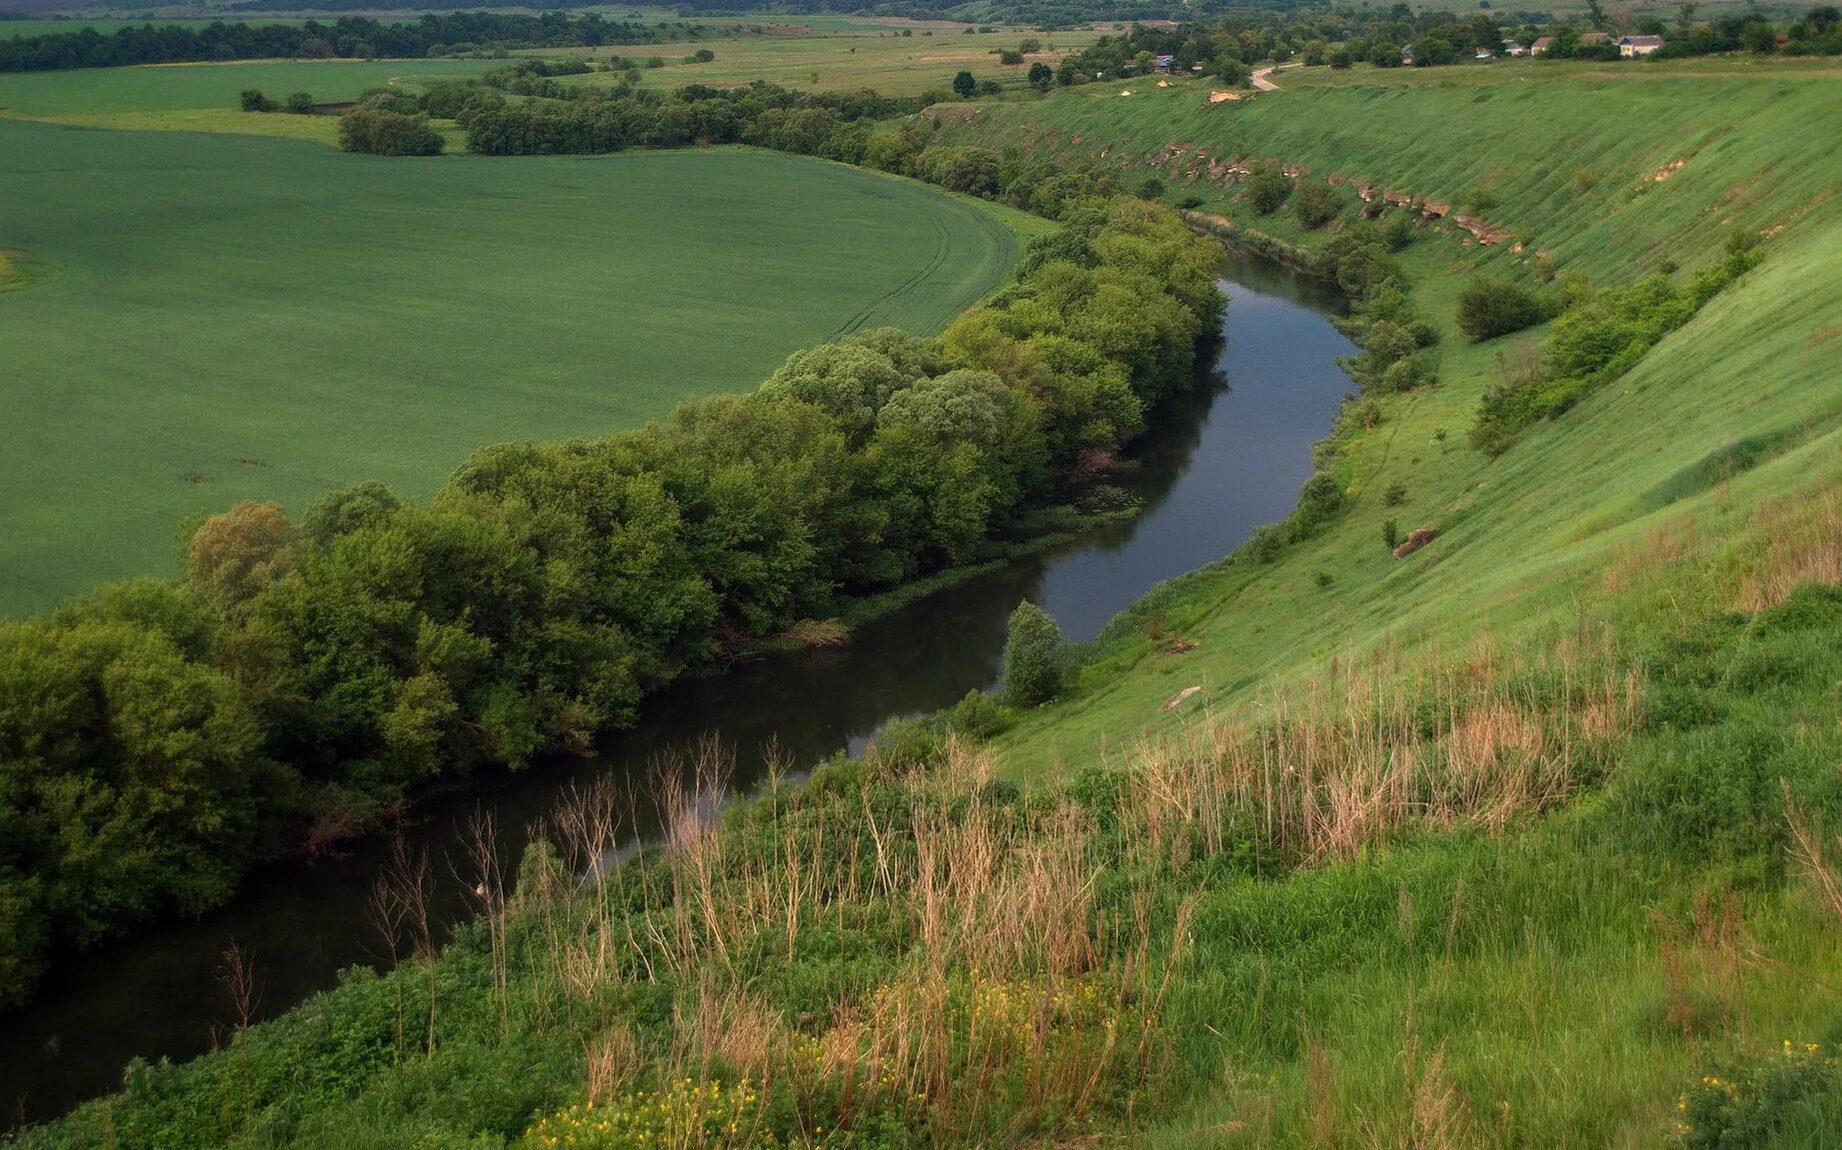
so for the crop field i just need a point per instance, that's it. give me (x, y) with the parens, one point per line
(862, 58)
(177, 87)
(213, 318)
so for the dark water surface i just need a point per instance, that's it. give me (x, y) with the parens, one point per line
(1233, 459)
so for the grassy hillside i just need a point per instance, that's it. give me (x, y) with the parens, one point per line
(1525, 839)
(214, 318)
(1523, 535)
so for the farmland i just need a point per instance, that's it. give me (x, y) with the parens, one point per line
(215, 318)
(863, 57)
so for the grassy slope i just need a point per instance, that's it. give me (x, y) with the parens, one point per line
(217, 318)
(1443, 989)
(1309, 1003)
(1526, 532)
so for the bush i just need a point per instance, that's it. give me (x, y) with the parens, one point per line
(1267, 189)
(299, 104)
(1391, 534)
(1341, 59)
(1033, 655)
(380, 133)
(1490, 308)
(252, 100)
(1316, 202)
(1318, 501)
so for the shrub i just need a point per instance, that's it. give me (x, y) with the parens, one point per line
(1151, 189)
(1490, 308)
(1341, 59)
(299, 104)
(1033, 654)
(1798, 1092)
(1316, 202)
(1318, 501)
(1391, 534)
(381, 133)
(1395, 495)
(1267, 189)
(252, 100)
(1265, 544)
(1010, 56)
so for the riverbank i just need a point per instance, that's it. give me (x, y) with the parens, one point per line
(1234, 458)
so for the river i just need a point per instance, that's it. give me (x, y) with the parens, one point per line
(1231, 458)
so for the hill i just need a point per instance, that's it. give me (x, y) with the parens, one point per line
(1522, 838)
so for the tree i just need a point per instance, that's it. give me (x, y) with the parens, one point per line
(299, 104)
(252, 100)
(1267, 189)
(1041, 76)
(1490, 308)
(1759, 37)
(233, 556)
(964, 85)
(1316, 202)
(381, 133)
(1341, 59)
(1034, 652)
(1008, 56)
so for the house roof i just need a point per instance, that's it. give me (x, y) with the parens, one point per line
(1543, 41)
(1643, 41)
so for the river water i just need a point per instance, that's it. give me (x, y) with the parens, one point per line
(1231, 458)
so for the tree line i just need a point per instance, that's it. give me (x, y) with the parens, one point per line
(453, 33)
(1227, 45)
(158, 738)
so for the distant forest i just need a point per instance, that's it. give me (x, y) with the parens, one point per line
(452, 34)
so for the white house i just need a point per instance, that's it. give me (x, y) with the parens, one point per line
(1631, 46)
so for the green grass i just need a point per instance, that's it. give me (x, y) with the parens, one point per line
(180, 87)
(892, 65)
(1527, 534)
(1462, 975)
(215, 318)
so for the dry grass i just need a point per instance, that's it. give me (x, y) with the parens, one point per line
(1802, 544)
(817, 633)
(1338, 766)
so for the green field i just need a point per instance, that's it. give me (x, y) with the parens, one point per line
(858, 57)
(175, 87)
(216, 318)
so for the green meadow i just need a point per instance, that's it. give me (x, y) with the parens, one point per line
(177, 87)
(216, 318)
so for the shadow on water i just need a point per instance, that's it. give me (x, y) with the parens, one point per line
(1232, 459)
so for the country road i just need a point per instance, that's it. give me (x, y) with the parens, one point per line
(1260, 80)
